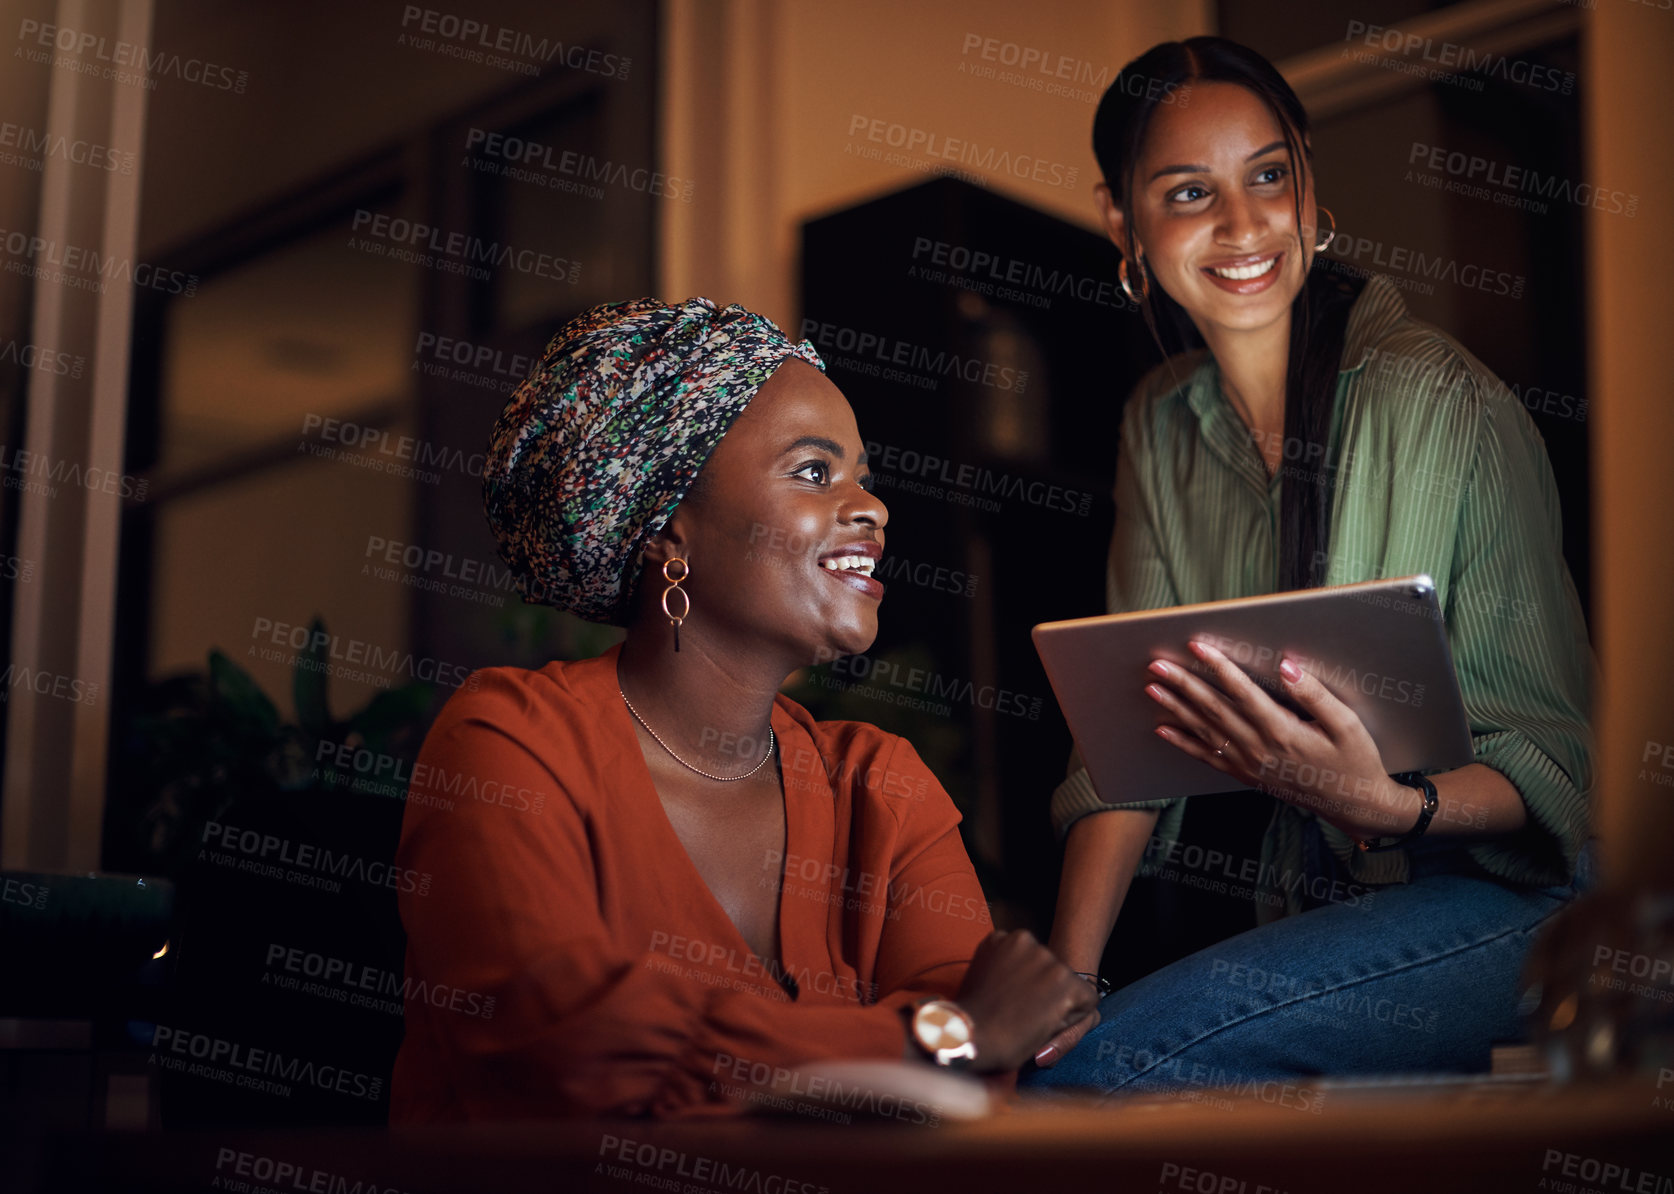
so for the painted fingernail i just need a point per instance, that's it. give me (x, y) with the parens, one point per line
(1159, 667)
(1047, 1055)
(1165, 733)
(1155, 692)
(1289, 671)
(1201, 650)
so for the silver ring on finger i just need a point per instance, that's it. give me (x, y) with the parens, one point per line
(1221, 749)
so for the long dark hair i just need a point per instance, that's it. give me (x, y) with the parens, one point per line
(1319, 315)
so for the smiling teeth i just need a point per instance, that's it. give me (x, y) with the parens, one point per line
(1242, 273)
(860, 564)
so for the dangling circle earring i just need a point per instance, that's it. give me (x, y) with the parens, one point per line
(1144, 282)
(674, 619)
(1329, 236)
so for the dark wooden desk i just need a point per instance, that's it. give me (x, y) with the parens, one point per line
(1412, 1140)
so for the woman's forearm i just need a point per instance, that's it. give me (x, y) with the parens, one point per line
(1476, 801)
(1101, 854)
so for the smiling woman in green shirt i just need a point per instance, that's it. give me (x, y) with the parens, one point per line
(1320, 436)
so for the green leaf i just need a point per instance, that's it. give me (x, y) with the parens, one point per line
(308, 682)
(392, 711)
(237, 691)
(291, 764)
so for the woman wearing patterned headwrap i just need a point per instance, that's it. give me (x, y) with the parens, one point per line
(669, 885)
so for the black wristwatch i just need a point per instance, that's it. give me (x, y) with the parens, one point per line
(1411, 779)
(1100, 984)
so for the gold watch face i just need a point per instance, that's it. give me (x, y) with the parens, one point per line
(940, 1025)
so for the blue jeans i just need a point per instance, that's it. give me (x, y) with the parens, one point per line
(1422, 977)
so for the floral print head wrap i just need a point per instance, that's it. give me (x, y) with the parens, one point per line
(604, 438)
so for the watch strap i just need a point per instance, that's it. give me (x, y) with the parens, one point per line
(1432, 801)
(1100, 984)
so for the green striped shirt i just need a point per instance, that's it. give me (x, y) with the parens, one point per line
(1435, 467)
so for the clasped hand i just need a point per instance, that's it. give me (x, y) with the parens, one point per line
(1329, 765)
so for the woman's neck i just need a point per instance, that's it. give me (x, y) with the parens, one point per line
(705, 702)
(1253, 368)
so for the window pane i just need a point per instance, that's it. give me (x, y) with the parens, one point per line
(312, 328)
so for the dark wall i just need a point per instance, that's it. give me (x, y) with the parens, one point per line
(987, 352)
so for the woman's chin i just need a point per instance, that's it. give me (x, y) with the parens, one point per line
(849, 640)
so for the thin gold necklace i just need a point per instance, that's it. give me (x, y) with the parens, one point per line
(725, 779)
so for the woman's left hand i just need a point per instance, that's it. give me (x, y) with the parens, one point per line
(1329, 766)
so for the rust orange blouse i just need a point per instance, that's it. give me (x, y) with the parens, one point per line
(566, 958)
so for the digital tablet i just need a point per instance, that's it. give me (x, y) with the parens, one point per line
(1380, 647)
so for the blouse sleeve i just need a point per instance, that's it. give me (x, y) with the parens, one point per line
(1520, 647)
(584, 1024)
(938, 914)
(1136, 578)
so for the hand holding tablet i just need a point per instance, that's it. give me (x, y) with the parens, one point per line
(1376, 695)
(1325, 761)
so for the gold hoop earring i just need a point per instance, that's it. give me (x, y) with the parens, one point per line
(1144, 282)
(674, 619)
(1329, 236)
